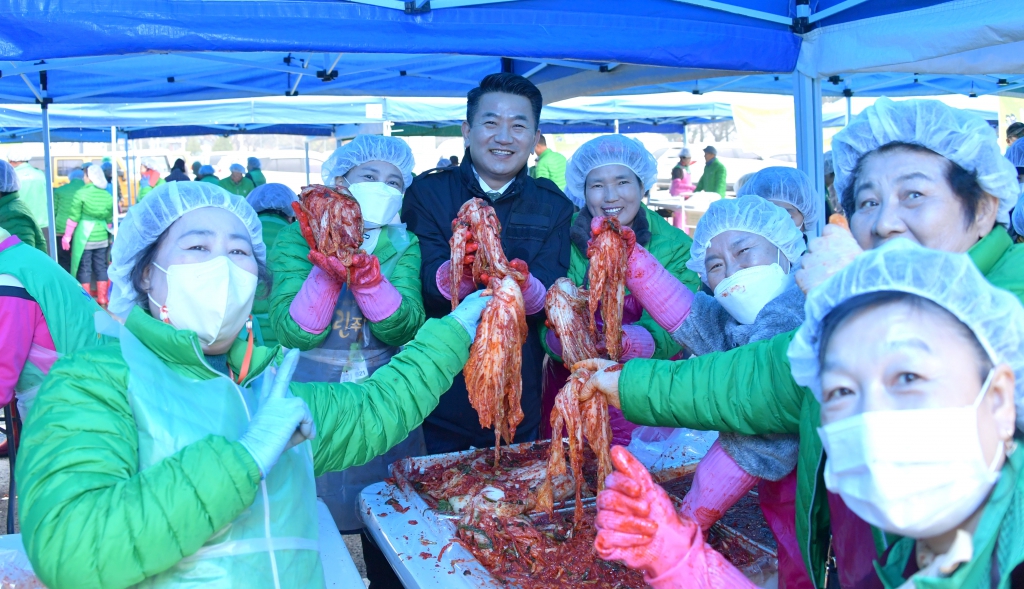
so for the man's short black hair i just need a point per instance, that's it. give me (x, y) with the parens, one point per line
(543, 141)
(508, 84)
(1015, 131)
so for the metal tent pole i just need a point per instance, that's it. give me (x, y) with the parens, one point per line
(307, 162)
(128, 174)
(849, 108)
(809, 138)
(616, 126)
(52, 234)
(113, 176)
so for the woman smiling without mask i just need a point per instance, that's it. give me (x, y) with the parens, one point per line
(886, 150)
(918, 363)
(744, 250)
(608, 177)
(178, 455)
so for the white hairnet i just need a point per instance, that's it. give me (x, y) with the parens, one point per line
(742, 181)
(606, 150)
(950, 280)
(149, 218)
(959, 136)
(788, 185)
(237, 168)
(829, 167)
(18, 153)
(76, 174)
(8, 178)
(1015, 153)
(149, 162)
(96, 175)
(684, 152)
(254, 163)
(369, 148)
(206, 170)
(272, 196)
(752, 214)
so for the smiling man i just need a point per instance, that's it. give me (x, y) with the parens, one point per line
(500, 133)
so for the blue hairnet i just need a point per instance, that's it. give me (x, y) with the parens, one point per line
(789, 185)
(207, 170)
(254, 163)
(369, 148)
(751, 214)
(949, 280)
(8, 178)
(149, 218)
(237, 168)
(606, 150)
(1015, 153)
(276, 197)
(957, 135)
(76, 174)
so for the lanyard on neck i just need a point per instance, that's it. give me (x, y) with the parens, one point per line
(244, 372)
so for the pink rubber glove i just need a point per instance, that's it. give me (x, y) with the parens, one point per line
(717, 485)
(662, 295)
(533, 295)
(443, 280)
(313, 306)
(637, 524)
(69, 231)
(377, 298)
(637, 342)
(778, 504)
(622, 428)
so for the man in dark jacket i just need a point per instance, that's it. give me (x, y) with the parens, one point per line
(500, 130)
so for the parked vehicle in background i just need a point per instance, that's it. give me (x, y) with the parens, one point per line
(737, 162)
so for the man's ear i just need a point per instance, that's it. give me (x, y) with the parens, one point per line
(465, 133)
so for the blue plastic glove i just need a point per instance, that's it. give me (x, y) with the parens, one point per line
(281, 422)
(469, 310)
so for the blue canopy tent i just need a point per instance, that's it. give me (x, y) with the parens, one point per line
(168, 50)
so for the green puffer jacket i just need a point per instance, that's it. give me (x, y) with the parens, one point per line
(290, 266)
(145, 188)
(749, 390)
(272, 226)
(62, 199)
(671, 247)
(211, 179)
(90, 519)
(242, 188)
(93, 204)
(17, 219)
(257, 177)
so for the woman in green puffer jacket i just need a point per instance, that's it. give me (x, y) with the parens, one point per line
(177, 456)
(915, 169)
(608, 177)
(273, 206)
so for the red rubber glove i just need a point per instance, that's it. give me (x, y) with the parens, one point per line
(365, 271)
(331, 266)
(637, 522)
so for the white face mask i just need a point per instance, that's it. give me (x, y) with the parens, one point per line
(378, 202)
(746, 292)
(917, 472)
(212, 298)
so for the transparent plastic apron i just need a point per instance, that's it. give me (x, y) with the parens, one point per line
(78, 240)
(40, 360)
(337, 360)
(272, 544)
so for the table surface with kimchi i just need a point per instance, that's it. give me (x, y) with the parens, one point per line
(456, 520)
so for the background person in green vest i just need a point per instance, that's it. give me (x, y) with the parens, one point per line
(208, 174)
(85, 232)
(149, 177)
(33, 188)
(273, 205)
(255, 173)
(713, 178)
(14, 214)
(43, 315)
(962, 191)
(237, 182)
(183, 434)
(347, 330)
(62, 199)
(550, 163)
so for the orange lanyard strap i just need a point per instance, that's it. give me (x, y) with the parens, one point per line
(248, 356)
